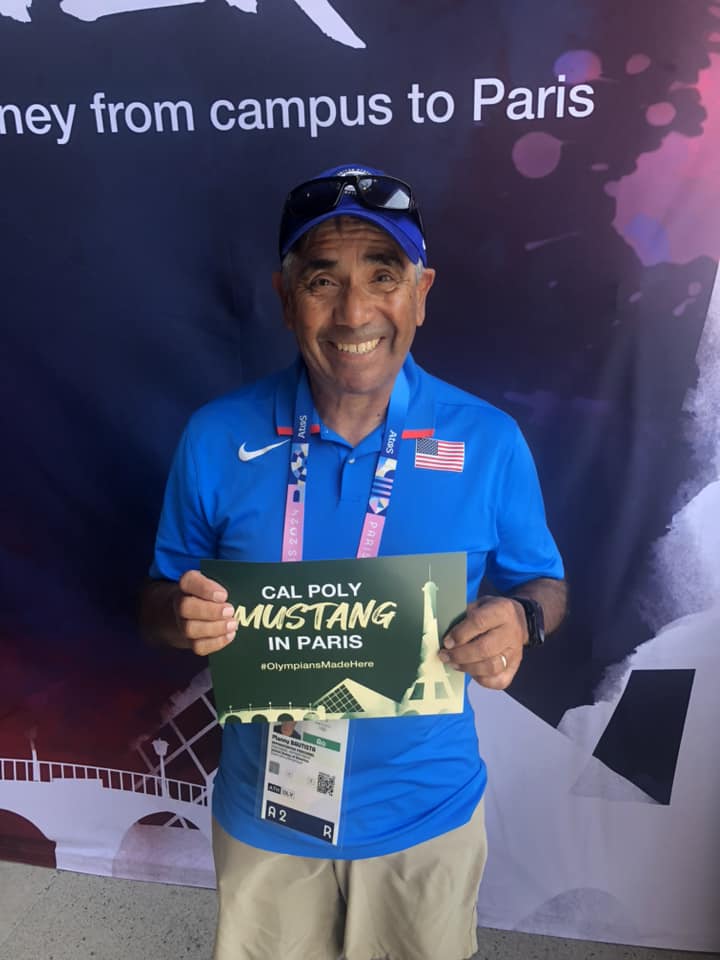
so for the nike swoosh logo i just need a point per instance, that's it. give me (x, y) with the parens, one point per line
(246, 455)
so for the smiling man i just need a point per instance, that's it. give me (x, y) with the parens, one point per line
(353, 301)
(402, 882)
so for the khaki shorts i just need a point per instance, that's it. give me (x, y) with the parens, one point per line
(419, 904)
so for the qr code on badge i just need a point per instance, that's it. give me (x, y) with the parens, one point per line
(273, 766)
(326, 784)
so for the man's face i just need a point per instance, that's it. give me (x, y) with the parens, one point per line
(353, 301)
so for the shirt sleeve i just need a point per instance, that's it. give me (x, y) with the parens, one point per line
(185, 536)
(525, 547)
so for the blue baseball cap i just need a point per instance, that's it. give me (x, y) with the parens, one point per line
(354, 190)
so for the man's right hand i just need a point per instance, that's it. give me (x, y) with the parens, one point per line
(203, 615)
(193, 613)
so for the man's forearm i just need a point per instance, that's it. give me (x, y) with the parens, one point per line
(158, 621)
(550, 594)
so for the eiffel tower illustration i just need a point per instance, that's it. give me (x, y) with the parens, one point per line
(432, 690)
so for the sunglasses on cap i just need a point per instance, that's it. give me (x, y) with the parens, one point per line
(374, 191)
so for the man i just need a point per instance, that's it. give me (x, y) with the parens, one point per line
(402, 883)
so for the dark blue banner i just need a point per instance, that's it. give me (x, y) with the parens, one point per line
(565, 159)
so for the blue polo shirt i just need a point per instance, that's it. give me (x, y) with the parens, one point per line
(408, 778)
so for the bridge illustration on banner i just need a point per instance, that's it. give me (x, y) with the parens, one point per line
(87, 811)
(118, 822)
(321, 12)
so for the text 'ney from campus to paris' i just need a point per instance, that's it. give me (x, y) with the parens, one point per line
(312, 114)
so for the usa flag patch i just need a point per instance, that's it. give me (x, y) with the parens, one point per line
(440, 455)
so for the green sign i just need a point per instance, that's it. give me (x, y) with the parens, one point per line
(338, 638)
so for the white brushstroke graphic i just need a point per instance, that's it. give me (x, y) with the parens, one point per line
(687, 559)
(16, 10)
(321, 12)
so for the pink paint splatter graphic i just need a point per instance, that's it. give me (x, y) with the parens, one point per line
(536, 244)
(579, 66)
(536, 154)
(637, 63)
(693, 291)
(681, 307)
(660, 114)
(666, 209)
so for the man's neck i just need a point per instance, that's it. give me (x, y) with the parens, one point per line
(352, 416)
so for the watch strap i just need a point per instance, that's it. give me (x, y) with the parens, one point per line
(534, 619)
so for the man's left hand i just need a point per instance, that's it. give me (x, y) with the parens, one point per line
(488, 643)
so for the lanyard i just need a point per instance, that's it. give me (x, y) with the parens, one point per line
(382, 485)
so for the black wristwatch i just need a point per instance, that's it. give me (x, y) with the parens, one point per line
(535, 620)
